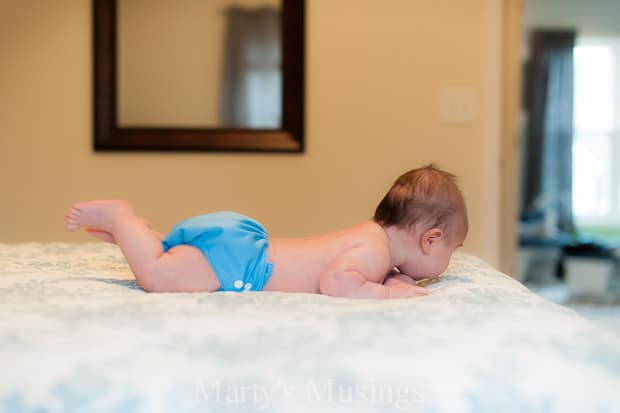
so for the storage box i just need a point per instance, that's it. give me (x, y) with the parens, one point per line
(537, 264)
(588, 276)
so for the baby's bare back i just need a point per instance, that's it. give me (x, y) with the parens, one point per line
(299, 263)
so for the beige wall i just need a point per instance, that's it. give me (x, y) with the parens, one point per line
(374, 74)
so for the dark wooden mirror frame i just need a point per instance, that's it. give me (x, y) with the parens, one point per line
(109, 137)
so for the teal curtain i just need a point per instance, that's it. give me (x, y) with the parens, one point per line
(548, 156)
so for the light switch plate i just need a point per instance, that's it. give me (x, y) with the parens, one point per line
(457, 104)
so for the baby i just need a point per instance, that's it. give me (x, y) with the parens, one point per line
(417, 226)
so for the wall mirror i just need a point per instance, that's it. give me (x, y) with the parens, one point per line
(221, 75)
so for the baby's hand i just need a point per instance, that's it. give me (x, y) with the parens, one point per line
(399, 288)
(399, 276)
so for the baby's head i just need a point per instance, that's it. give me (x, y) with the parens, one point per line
(425, 214)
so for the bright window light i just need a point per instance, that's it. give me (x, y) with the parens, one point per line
(594, 88)
(596, 140)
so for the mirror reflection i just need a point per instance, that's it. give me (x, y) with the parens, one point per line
(199, 63)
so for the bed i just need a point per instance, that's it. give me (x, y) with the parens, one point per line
(78, 334)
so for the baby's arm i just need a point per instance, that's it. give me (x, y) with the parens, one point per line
(354, 275)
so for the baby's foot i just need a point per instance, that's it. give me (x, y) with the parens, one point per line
(102, 235)
(98, 215)
(107, 236)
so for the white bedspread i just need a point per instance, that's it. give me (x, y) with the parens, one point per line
(78, 334)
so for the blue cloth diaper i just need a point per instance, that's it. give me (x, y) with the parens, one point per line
(235, 246)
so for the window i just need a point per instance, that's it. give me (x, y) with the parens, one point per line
(596, 140)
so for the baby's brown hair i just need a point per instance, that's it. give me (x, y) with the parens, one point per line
(425, 196)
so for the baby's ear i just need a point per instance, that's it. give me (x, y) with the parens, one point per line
(430, 238)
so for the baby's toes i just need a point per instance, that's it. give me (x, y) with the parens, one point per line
(72, 226)
(72, 219)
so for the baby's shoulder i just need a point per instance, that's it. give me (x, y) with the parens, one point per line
(371, 235)
(372, 247)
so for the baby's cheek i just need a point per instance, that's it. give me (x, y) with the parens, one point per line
(435, 274)
(439, 269)
(445, 265)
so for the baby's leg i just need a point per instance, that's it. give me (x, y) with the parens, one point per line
(181, 269)
(107, 237)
